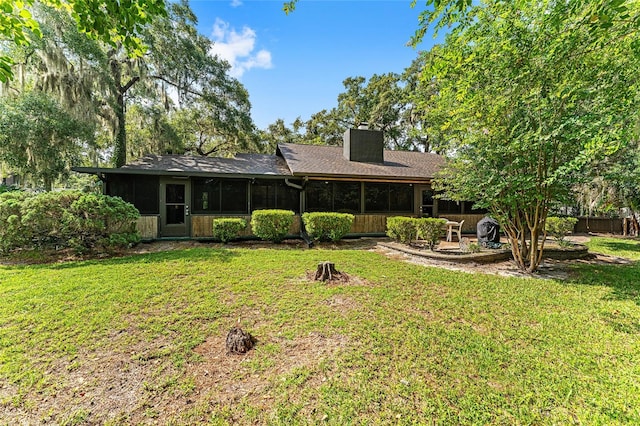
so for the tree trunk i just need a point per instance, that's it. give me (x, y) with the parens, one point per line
(120, 142)
(238, 341)
(326, 271)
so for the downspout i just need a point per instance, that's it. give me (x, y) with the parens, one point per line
(303, 232)
(295, 185)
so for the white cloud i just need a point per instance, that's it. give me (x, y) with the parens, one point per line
(237, 48)
(236, 3)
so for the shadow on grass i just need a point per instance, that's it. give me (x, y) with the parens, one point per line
(194, 254)
(623, 280)
(622, 245)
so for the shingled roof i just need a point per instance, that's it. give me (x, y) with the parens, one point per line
(325, 161)
(253, 165)
(290, 160)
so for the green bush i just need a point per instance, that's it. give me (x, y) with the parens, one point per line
(431, 230)
(402, 229)
(560, 227)
(104, 223)
(47, 219)
(271, 225)
(325, 226)
(66, 219)
(12, 233)
(228, 228)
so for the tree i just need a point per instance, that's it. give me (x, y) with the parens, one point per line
(150, 130)
(533, 93)
(177, 72)
(39, 138)
(111, 21)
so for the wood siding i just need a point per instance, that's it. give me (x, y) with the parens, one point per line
(370, 223)
(202, 226)
(148, 227)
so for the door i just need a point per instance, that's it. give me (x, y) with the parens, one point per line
(174, 208)
(426, 202)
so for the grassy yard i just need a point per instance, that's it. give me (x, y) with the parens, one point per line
(141, 339)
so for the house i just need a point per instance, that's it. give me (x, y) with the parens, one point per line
(179, 195)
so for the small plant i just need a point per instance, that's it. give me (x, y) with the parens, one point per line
(402, 229)
(326, 226)
(271, 225)
(474, 248)
(431, 230)
(227, 228)
(560, 227)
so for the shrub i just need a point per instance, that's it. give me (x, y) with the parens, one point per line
(228, 228)
(430, 230)
(47, 219)
(271, 225)
(67, 219)
(103, 222)
(12, 233)
(560, 227)
(402, 229)
(326, 226)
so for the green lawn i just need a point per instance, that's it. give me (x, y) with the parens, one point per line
(141, 339)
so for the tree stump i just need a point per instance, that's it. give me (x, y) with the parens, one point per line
(239, 341)
(326, 271)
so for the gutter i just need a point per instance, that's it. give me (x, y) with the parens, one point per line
(294, 185)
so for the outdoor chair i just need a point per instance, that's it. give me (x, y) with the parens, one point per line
(454, 227)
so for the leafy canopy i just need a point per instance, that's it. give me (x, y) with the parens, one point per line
(531, 94)
(115, 22)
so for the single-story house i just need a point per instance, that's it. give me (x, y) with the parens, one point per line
(180, 195)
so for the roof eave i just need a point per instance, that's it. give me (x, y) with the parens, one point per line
(174, 173)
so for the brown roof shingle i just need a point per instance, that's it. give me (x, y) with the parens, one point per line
(318, 160)
(254, 165)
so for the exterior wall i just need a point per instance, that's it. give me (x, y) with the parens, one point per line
(371, 223)
(148, 227)
(202, 226)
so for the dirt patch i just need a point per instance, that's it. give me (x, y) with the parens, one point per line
(223, 379)
(98, 386)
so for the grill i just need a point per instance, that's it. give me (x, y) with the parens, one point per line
(488, 232)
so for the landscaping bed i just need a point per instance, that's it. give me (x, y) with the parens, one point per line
(452, 254)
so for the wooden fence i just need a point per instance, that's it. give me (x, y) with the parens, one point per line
(598, 225)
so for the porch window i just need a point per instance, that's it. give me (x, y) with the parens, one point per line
(388, 197)
(274, 194)
(449, 206)
(329, 196)
(219, 196)
(141, 191)
(206, 196)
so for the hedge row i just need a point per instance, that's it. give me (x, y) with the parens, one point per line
(324, 226)
(274, 225)
(66, 219)
(408, 229)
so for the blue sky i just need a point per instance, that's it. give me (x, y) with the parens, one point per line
(293, 65)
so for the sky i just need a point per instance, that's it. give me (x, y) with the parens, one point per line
(294, 65)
